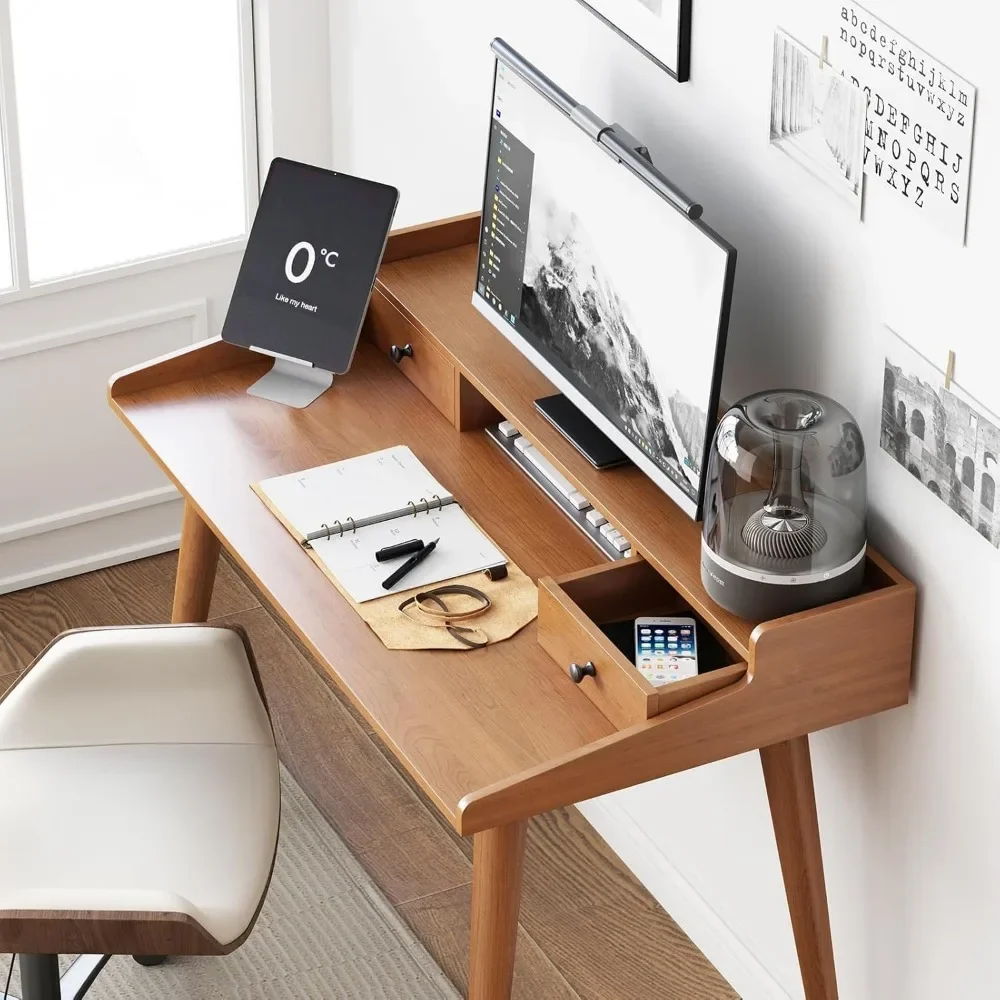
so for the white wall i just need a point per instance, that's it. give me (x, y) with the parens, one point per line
(292, 60)
(77, 491)
(909, 814)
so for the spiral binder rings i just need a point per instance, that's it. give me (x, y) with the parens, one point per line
(412, 508)
(345, 512)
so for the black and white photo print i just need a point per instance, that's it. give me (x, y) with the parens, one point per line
(661, 29)
(818, 118)
(943, 438)
(575, 304)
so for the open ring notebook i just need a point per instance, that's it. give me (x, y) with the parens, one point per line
(349, 510)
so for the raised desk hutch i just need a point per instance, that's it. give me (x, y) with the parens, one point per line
(498, 735)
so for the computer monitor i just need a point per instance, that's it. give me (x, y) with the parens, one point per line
(604, 276)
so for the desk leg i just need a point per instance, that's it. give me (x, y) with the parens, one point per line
(497, 874)
(788, 777)
(196, 566)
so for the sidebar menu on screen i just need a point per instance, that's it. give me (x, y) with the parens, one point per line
(505, 222)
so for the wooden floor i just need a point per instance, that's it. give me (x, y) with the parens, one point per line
(589, 930)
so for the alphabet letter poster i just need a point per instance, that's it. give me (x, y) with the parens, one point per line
(918, 133)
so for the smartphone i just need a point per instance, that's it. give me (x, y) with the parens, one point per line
(666, 649)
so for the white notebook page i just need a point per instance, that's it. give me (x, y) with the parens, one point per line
(366, 486)
(462, 549)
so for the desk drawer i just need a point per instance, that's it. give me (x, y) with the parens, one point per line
(571, 610)
(424, 364)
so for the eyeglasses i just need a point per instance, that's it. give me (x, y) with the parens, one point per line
(429, 608)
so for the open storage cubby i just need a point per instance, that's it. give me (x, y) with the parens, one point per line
(571, 612)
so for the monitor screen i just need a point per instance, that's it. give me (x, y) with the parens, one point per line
(619, 298)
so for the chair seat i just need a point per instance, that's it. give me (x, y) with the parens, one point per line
(139, 778)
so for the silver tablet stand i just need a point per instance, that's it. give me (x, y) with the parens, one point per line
(290, 381)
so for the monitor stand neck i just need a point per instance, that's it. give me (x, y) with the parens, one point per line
(291, 382)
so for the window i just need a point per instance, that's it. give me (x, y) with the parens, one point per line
(988, 491)
(969, 473)
(129, 124)
(917, 424)
(950, 456)
(901, 414)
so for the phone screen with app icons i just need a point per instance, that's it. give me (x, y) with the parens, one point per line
(666, 649)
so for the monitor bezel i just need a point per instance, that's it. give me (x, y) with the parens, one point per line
(656, 182)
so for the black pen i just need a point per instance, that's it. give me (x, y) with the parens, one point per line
(399, 550)
(410, 563)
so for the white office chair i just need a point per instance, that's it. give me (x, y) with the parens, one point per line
(139, 802)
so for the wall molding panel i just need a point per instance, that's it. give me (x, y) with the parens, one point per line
(84, 546)
(80, 515)
(196, 310)
(111, 503)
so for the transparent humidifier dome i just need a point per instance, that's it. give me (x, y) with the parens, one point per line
(785, 505)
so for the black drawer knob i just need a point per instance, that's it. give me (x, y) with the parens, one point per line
(398, 353)
(578, 671)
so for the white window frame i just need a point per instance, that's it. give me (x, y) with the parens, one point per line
(23, 288)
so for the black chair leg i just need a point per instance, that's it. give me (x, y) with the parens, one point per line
(39, 977)
(150, 960)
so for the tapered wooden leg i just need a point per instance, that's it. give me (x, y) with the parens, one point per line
(497, 874)
(788, 777)
(196, 566)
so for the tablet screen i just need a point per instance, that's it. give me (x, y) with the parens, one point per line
(310, 264)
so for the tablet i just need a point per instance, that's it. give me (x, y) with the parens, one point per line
(310, 265)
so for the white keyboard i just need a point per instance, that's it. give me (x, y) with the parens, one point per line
(593, 523)
(547, 469)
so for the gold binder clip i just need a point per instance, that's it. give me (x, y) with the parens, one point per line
(949, 371)
(824, 52)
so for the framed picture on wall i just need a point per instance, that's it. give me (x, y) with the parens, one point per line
(660, 29)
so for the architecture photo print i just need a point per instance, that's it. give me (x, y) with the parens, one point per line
(941, 437)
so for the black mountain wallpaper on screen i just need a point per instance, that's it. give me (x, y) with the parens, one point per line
(570, 304)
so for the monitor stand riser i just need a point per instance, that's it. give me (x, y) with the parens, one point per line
(290, 381)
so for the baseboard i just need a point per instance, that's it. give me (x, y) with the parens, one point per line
(737, 965)
(91, 512)
(73, 546)
(60, 571)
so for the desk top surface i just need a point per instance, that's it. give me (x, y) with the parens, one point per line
(506, 716)
(457, 721)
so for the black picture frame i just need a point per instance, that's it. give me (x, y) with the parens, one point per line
(682, 72)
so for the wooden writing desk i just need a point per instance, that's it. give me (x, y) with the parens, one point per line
(498, 735)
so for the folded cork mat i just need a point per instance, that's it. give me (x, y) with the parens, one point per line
(515, 604)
